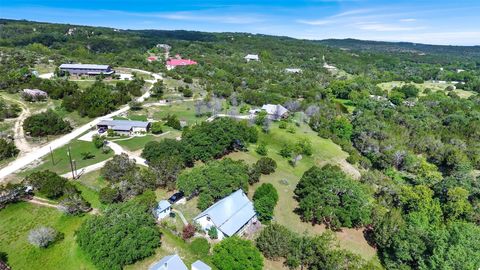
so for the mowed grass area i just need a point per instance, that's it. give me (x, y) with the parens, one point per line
(286, 177)
(434, 86)
(61, 159)
(138, 143)
(19, 218)
(183, 110)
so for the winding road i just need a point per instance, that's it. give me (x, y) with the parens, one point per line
(35, 154)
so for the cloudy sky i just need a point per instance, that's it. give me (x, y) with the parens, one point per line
(421, 21)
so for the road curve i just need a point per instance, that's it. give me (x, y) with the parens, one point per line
(23, 161)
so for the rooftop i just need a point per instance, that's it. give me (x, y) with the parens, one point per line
(162, 205)
(199, 265)
(172, 262)
(84, 66)
(230, 213)
(181, 62)
(274, 109)
(123, 124)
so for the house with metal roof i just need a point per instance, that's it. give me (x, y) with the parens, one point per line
(172, 262)
(199, 265)
(163, 209)
(231, 215)
(275, 112)
(124, 127)
(86, 69)
(252, 57)
(34, 94)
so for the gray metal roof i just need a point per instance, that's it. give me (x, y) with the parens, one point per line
(162, 205)
(123, 123)
(172, 262)
(199, 265)
(84, 66)
(231, 213)
(274, 109)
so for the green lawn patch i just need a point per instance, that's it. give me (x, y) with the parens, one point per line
(434, 86)
(138, 143)
(184, 111)
(19, 218)
(62, 163)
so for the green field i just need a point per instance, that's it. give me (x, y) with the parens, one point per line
(434, 86)
(19, 218)
(183, 110)
(62, 163)
(137, 143)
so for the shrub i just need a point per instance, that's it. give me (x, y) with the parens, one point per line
(213, 233)
(87, 155)
(7, 149)
(188, 231)
(234, 253)
(46, 123)
(98, 141)
(265, 199)
(187, 92)
(109, 195)
(156, 128)
(274, 241)
(282, 125)
(200, 247)
(262, 149)
(48, 183)
(266, 165)
(74, 204)
(173, 122)
(42, 236)
(287, 150)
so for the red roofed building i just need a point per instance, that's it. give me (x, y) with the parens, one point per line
(172, 63)
(152, 58)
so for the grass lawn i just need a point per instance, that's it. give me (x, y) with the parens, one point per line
(324, 151)
(138, 143)
(62, 163)
(19, 218)
(434, 86)
(183, 110)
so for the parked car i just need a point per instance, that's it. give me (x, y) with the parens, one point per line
(176, 197)
(101, 130)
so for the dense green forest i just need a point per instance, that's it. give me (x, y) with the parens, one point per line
(418, 150)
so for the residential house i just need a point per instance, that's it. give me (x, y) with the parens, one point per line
(231, 215)
(163, 209)
(124, 127)
(86, 69)
(174, 262)
(173, 63)
(252, 57)
(275, 112)
(152, 58)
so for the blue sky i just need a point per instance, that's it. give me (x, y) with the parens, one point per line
(422, 21)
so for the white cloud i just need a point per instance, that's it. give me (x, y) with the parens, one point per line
(382, 27)
(205, 17)
(408, 20)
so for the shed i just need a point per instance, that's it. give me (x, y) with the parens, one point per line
(199, 265)
(172, 262)
(163, 209)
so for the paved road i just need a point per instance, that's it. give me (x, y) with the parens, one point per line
(23, 161)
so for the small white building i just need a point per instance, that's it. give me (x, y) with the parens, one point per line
(163, 209)
(230, 216)
(34, 94)
(252, 57)
(293, 70)
(275, 112)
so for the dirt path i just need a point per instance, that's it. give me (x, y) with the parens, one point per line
(48, 203)
(19, 136)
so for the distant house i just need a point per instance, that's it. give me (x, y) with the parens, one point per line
(275, 112)
(124, 127)
(252, 57)
(293, 70)
(86, 69)
(231, 215)
(152, 58)
(163, 209)
(34, 94)
(164, 46)
(174, 262)
(173, 63)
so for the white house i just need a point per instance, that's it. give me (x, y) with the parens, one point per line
(163, 209)
(230, 216)
(252, 57)
(125, 127)
(174, 262)
(275, 112)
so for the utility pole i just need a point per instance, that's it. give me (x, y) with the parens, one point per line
(75, 167)
(71, 162)
(51, 155)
